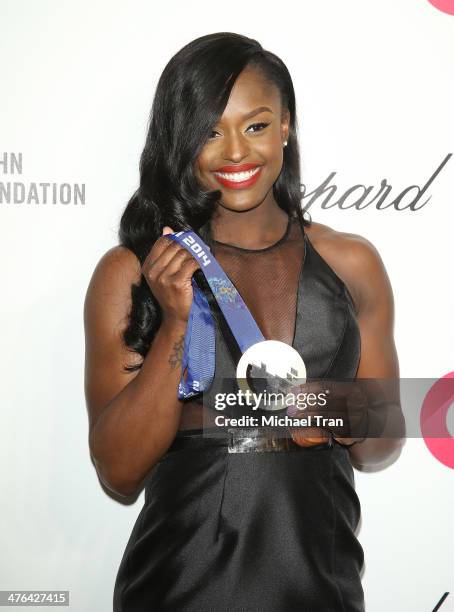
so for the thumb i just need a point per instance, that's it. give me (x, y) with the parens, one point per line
(167, 230)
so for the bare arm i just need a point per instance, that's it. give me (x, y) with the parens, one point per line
(133, 416)
(378, 352)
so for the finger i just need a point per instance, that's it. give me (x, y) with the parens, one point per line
(161, 253)
(308, 436)
(182, 279)
(350, 405)
(181, 266)
(160, 245)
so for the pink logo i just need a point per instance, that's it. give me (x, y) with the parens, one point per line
(447, 6)
(433, 418)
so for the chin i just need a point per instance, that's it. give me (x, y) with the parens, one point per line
(243, 205)
(243, 200)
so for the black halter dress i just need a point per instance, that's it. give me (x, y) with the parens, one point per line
(231, 528)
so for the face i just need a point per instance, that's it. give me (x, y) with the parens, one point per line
(244, 154)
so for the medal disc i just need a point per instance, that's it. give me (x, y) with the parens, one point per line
(271, 367)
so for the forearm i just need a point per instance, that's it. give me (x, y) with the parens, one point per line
(135, 429)
(375, 450)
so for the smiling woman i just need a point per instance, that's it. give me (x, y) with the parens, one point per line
(241, 134)
(225, 525)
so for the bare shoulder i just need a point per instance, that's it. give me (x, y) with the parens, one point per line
(110, 284)
(117, 266)
(350, 249)
(353, 258)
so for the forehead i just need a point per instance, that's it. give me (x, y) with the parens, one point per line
(251, 90)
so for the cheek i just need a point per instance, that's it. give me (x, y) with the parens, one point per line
(202, 167)
(272, 152)
(199, 172)
(271, 147)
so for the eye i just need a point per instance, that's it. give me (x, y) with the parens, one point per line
(258, 127)
(212, 135)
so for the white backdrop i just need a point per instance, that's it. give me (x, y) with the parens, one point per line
(374, 86)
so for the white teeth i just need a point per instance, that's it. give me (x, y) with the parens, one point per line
(238, 177)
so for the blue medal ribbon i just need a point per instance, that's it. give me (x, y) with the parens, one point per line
(199, 341)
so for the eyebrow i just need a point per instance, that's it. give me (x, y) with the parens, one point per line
(256, 111)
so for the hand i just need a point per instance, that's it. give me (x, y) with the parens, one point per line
(344, 400)
(309, 436)
(168, 270)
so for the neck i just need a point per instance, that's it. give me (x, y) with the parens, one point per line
(252, 229)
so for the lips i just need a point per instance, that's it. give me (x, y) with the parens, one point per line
(240, 176)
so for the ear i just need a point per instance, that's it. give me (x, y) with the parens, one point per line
(285, 124)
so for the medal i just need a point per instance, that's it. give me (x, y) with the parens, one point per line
(276, 363)
(272, 365)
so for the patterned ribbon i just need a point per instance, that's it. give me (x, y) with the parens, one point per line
(199, 341)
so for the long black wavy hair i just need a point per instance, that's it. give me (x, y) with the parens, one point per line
(190, 97)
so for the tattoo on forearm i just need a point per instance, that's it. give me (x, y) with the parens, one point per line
(176, 355)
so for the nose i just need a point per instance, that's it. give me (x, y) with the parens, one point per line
(236, 147)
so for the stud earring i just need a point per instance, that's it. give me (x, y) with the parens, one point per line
(285, 143)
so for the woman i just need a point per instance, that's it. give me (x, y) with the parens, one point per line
(222, 529)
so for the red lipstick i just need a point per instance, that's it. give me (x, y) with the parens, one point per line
(241, 176)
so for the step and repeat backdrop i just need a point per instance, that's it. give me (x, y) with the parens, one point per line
(375, 99)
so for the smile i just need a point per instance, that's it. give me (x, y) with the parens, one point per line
(239, 180)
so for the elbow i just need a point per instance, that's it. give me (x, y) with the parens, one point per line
(122, 488)
(110, 471)
(376, 452)
(115, 480)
